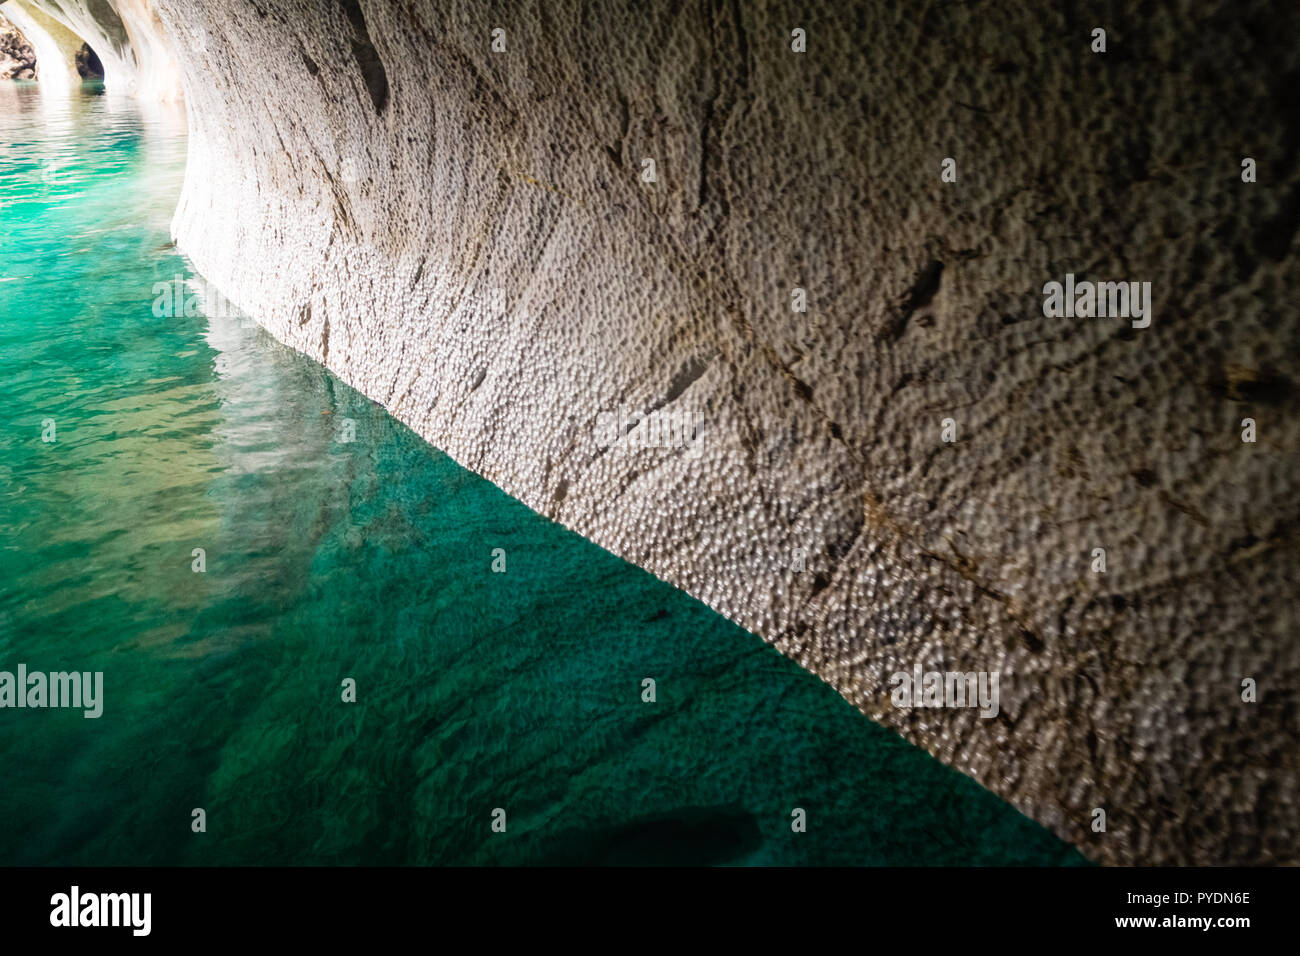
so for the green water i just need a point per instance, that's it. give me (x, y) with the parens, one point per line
(368, 560)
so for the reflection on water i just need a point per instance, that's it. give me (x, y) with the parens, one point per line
(368, 560)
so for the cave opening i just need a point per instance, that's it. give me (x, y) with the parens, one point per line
(88, 65)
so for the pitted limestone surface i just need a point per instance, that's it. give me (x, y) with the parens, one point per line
(364, 175)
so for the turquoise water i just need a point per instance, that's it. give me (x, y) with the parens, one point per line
(369, 560)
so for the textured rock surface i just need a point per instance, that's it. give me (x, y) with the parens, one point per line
(17, 58)
(364, 175)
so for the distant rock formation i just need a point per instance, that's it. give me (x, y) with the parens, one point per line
(136, 55)
(54, 44)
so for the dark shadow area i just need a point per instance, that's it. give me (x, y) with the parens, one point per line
(88, 65)
(700, 836)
